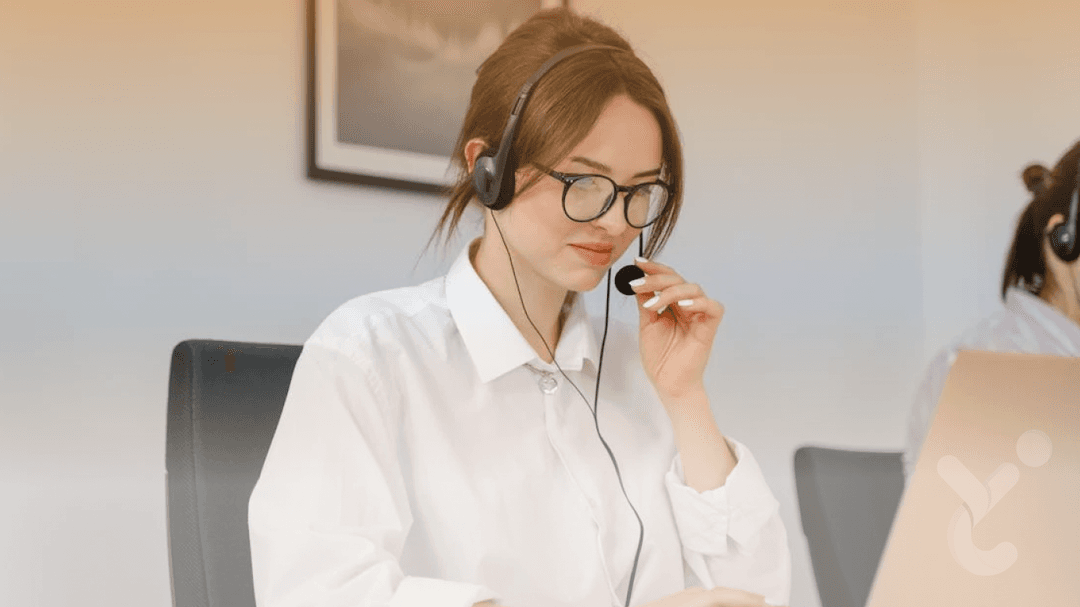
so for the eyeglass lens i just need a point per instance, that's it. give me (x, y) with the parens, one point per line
(586, 197)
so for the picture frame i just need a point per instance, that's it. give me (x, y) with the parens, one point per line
(388, 83)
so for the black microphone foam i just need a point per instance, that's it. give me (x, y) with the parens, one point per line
(624, 276)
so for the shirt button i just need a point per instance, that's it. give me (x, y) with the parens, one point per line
(548, 384)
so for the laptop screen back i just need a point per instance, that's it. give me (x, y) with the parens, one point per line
(991, 514)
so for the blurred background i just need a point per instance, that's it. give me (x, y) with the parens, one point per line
(852, 187)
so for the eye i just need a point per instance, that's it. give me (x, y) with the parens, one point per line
(646, 204)
(588, 184)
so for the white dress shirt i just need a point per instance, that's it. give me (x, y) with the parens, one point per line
(419, 460)
(1026, 324)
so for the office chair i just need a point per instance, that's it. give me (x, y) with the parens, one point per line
(224, 402)
(847, 502)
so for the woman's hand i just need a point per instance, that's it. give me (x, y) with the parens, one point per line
(714, 597)
(676, 343)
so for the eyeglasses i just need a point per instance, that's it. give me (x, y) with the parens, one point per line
(588, 197)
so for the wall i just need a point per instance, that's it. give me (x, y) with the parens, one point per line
(850, 166)
(998, 89)
(800, 137)
(153, 191)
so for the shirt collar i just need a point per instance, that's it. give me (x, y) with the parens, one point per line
(494, 343)
(1061, 328)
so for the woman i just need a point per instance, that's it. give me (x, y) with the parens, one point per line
(1040, 286)
(437, 447)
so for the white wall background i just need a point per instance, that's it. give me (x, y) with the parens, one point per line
(999, 87)
(852, 182)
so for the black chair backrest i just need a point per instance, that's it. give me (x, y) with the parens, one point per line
(224, 402)
(847, 502)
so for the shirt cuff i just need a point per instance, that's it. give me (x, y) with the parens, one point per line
(738, 509)
(430, 592)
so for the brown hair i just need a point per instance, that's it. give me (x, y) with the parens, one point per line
(1051, 192)
(562, 108)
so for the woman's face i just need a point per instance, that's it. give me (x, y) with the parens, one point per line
(625, 145)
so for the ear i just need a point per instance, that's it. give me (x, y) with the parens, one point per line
(473, 149)
(1055, 220)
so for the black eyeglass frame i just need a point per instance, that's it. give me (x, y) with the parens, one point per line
(569, 179)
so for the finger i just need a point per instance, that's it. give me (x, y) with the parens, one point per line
(732, 597)
(691, 298)
(691, 597)
(652, 267)
(655, 282)
(709, 308)
(670, 295)
(653, 303)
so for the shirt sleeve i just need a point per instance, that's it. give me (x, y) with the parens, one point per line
(924, 406)
(733, 536)
(329, 514)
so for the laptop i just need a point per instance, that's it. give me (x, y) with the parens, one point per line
(991, 514)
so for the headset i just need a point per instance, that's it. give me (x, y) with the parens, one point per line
(1063, 236)
(493, 180)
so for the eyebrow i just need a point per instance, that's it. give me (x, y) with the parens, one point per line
(599, 166)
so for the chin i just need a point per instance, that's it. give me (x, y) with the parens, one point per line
(585, 281)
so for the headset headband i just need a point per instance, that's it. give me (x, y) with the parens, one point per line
(490, 180)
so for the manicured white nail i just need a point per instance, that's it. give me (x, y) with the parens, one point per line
(637, 283)
(661, 310)
(686, 302)
(651, 302)
(641, 260)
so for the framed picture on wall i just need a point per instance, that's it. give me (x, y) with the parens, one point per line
(388, 83)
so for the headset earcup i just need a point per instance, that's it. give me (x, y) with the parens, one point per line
(1063, 243)
(507, 187)
(484, 179)
(494, 192)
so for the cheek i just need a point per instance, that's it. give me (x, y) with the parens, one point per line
(545, 217)
(629, 239)
(539, 221)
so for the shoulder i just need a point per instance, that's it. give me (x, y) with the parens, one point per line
(385, 322)
(1002, 331)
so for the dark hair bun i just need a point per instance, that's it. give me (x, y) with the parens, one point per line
(1036, 178)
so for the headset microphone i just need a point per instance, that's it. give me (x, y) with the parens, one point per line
(631, 272)
(624, 276)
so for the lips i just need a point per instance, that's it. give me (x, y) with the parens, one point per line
(597, 247)
(597, 254)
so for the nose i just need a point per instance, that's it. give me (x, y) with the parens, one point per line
(613, 221)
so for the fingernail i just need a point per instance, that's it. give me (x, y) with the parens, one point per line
(637, 282)
(641, 260)
(651, 302)
(661, 310)
(686, 302)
